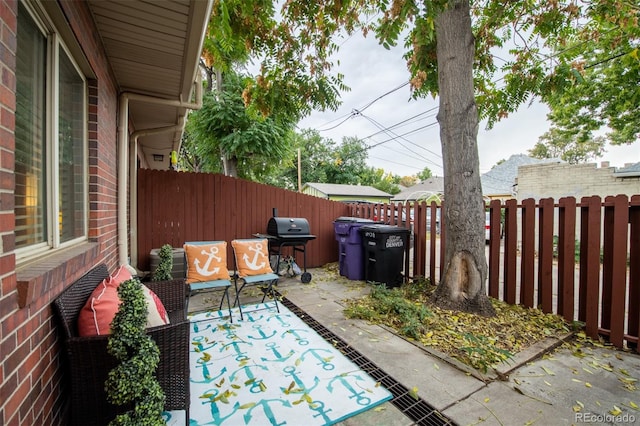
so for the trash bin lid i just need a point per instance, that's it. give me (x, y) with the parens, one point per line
(383, 229)
(353, 219)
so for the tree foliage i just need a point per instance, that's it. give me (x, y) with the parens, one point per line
(424, 174)
(224, 124)
(381, 180)
(323, 160)
(563, 144)
(601, 66)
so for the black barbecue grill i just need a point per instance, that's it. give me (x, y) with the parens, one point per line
(289, 232)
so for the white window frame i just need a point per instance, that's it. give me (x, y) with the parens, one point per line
(55, 45)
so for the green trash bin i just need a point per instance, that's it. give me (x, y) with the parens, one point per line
(384, 247)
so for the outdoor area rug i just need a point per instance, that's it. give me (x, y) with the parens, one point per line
(271, 369)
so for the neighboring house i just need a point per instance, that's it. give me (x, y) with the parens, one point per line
(89, 91)
(629, 171)
(428, 189)
(577, 180)
(341, 192)
(500, 182)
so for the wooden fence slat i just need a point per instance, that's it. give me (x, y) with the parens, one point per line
(590, 262)
(633, 324)
(510, 249)
(442, 239)
(607, 266)
(419, 245)
(432, 244)
(545, 255)
(495, 213)
(619, 273)
(566, 256)
(527, 270)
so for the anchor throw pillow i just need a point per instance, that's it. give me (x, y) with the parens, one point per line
(252, 257)
(206, 262)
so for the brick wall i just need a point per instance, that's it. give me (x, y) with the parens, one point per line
(31, 381)
(558, 180)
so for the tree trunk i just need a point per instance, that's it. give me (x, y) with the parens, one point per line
(465, 272)
(228, 169)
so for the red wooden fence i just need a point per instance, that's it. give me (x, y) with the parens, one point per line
(174, 207)
(580, 260)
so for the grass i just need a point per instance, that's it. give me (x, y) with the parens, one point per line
(479, 342)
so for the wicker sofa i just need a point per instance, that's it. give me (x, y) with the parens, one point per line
(88, 363)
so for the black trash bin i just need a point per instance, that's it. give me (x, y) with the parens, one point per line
(350, 251)
(384, 253)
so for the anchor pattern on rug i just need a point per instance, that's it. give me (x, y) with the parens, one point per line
(272, 369)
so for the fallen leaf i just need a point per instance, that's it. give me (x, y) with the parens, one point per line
(549, 372)
(615, 411)
(587, 384)
(414, 393)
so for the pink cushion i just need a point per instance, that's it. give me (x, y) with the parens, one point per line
(97, 314)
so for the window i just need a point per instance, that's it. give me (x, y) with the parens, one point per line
(51, 141)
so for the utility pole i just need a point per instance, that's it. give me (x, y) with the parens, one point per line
(299, 172)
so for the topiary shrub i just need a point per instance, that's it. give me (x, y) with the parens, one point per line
(165, 265)
(133, 381)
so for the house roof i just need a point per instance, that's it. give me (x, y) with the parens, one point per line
(347, 190)
(501, 178)
(424, 189)
(153, 49)
(629, 170)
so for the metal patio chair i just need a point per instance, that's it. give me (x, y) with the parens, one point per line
(206, 269)
(253, 268)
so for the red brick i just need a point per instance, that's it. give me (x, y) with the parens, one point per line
(7, 97)
(7, 222)
(7, 386)
(7, 140)
(7, 118)
(9, 37)
(15, 400)
(7, 160)
(9, 14)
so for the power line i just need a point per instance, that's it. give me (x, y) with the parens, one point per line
(355, 112)
(397, 138)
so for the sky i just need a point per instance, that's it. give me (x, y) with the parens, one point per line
(413, 141)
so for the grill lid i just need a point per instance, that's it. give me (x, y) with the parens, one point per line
(288, 227)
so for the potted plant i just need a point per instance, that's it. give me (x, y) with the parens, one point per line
(165, 264)
(133, 382)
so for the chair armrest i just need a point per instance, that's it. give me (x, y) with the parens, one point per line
(171, 292)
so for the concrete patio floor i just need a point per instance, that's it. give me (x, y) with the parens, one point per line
(542, 385)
